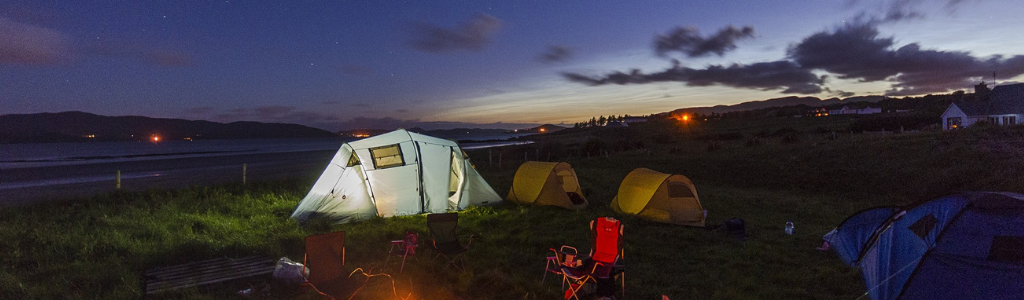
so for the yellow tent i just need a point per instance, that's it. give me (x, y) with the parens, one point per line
(547, 183)
(659, 197)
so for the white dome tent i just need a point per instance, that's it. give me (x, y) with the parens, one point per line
(393, 174)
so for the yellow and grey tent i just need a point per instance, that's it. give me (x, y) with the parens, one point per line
(659, 197)
(547, 183)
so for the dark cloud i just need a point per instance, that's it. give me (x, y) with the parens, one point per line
(472, 36)
(688, 41)
(22, 43)
(839, 93)
(555, 54)
(784, 75)
(857, 51)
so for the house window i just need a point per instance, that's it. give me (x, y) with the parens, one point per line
(1009, 120)
(954, 122)
(992, 120)
(387, 156)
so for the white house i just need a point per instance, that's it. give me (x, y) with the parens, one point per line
(1004, 105)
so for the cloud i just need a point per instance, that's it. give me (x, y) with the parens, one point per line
(784, 75)
(856, 51)
(472, 36)
(555, 54)
(388, 123)
(688, 41)
(28, 44)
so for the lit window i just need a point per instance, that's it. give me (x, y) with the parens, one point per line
(954, 122)
(387, 156)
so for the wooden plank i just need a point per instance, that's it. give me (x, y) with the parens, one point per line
(211, 277)
(205, 268)
(205, 272)
(200, 264)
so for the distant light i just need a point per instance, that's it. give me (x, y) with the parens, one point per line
(686, 117)
(155, 138)
(542, 130)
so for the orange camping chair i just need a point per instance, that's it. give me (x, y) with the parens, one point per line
(325, 258)
(605, 261)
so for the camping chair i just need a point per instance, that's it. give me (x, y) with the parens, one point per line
(566, 256)
(325, 258)
(605, 261)
(404, 248)
(443, 239)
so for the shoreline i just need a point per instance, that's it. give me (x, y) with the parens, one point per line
(172, 173)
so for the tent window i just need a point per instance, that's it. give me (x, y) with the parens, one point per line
(922, 227)
(353, 160)
(1007, 248)
(678, 190)
(387, 156)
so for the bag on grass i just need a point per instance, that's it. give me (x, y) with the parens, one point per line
(290, 272)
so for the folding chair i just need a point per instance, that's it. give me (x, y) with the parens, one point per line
(605, 261)
(325, 258)
(443, 238)
(404, 248)
(566, 256)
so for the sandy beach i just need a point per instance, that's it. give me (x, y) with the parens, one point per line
(157, 174)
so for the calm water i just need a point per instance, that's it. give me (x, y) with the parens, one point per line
(60, 154)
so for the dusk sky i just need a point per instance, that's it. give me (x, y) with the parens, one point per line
(437, 64)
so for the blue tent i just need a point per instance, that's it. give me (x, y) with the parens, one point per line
(965, 246)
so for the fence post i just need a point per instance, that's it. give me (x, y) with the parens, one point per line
(490, 158)
(499, 160)
(119, 179)
(243, 174)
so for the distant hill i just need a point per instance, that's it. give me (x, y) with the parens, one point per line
(777, 102)
(77, 126)
(546, 128)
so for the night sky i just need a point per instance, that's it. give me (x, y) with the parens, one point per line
(437, 64)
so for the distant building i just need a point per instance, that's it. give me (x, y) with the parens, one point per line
(1003, 105)
(846, 110)
(631, 120)
(616, 124)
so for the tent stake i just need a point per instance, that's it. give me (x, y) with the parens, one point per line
(243, 174)
(119, 179)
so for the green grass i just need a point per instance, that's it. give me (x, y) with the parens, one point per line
(98, 247)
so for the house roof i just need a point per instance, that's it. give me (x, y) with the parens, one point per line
(1004, 99)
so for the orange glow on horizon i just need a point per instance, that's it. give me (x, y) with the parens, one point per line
(155, 138)
(681, 117)
(542, 130)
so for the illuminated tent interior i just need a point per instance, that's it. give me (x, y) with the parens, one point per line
(547, 183)
(393, 174)
(659, 197)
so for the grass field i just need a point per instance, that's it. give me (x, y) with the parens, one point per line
(809, 171)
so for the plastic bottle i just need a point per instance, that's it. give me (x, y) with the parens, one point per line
(789, 227)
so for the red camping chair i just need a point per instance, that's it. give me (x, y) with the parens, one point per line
(325, 258)
(605, 261)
